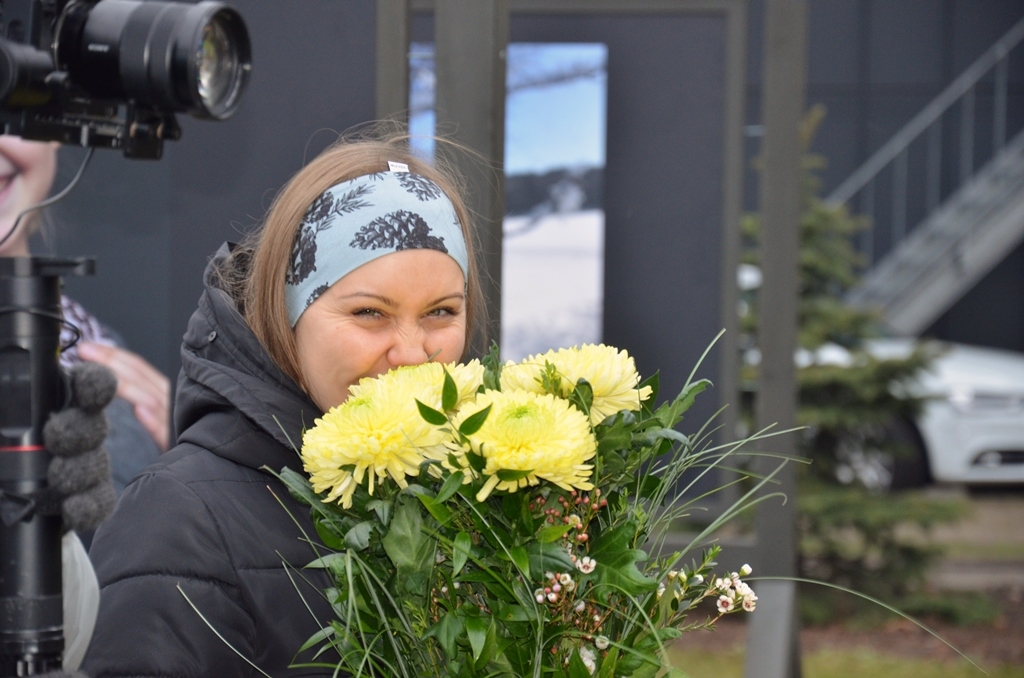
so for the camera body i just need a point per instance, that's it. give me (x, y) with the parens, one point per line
(113, 73)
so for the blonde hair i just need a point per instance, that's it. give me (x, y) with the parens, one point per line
(255, 273)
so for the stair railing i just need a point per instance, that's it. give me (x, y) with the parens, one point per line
(895, 154)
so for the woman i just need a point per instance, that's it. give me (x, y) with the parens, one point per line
(140, 416)
(364, 263)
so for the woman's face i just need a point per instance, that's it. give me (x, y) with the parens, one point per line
(404, 308)
(26, 174)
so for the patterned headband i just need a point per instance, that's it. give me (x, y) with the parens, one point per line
(357, 221)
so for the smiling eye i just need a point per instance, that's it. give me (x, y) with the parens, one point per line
(367, 313)
(443, 311)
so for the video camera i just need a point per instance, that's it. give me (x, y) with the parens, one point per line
(112, 73)
(98, 74)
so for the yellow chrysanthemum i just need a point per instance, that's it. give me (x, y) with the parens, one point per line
(378, 432)
(430, 376)
(611, 373)
(531, 432)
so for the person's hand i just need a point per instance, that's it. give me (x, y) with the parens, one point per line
(80, 470)
(142, 385)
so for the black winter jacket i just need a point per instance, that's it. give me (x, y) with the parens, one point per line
(207, 523)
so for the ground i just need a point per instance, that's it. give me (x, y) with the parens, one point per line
(988, 645)
(985, 555)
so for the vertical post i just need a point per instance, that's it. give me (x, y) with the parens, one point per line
(393, 60)
(729, 354)
(470, 39)
(773, 647)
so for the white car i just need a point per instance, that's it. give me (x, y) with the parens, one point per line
(971, 430)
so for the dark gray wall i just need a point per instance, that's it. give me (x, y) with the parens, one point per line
(875, 64)
(153, 225)
(663, 183)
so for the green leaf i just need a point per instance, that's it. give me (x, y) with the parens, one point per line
(511, 475)
(358, 537)
(451, 486)
(438, 510)
(476, 629)
(671, 416)
(447, 632)
(330, 538)
(549, 558)
(382, 507)
(299, 487)
(460, 551)
(430, 415)
(608, 663)
(583, 395)
(614, 439)
(521, 559)
(449, 393)
(476, 461)
(616, 569)
(655, 385)
(326, 562)
(649, 486)
(409, 548)
(514, 613)
(492, 368)
(577, 669)
(474, 421)
(546, 535)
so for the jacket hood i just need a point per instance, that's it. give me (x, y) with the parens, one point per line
(227, 374)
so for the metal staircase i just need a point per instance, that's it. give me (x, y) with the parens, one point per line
(965, 229)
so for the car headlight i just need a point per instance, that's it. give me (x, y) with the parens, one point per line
(975, 401)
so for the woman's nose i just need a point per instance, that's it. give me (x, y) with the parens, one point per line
(408, 348)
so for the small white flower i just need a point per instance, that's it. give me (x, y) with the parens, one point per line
(601, 642)
(589, 658)
(549, 576)
(661, 590)
(743, 589)
(586, 564)
(672, 574)
(444, 589)
(725, 604)
(565, 579)
(540, 597)
(746, 570)
(723, 584)
(749, 603)
(581, 606)
(552, 597)
(457, 585)
(574, 520)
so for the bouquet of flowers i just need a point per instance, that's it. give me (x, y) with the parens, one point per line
(489, 519)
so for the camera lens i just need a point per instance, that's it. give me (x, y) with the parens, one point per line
(172, 56)
(221, 70)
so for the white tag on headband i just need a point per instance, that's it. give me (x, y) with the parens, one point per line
(397, 166)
